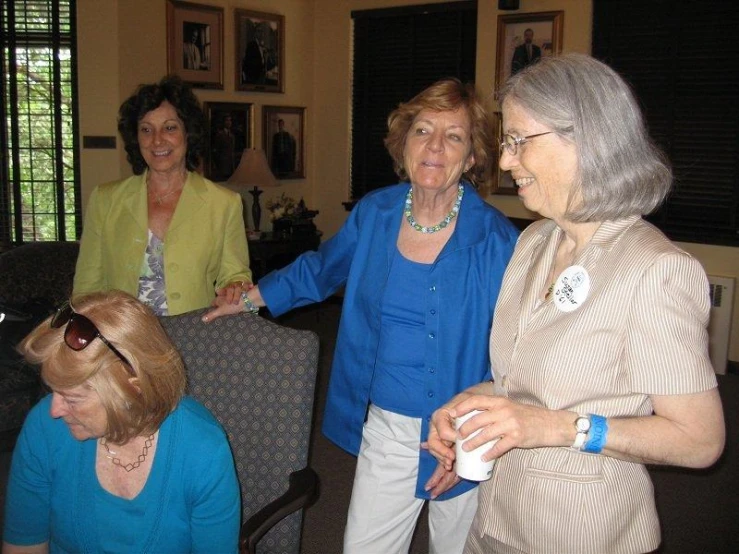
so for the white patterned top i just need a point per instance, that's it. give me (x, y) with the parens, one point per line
(152, 289)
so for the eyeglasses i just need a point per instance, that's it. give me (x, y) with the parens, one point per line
(510, 143)
(80, 332)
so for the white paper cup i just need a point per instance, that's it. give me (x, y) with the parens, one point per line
(469, 465)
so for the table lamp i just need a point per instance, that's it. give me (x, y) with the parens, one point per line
(253, 170)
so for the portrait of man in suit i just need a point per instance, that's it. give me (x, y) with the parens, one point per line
(260, 51)
(228, 136)
(283, 140)
(195, 46)
(224, 150)
(525, 38)
(260, 63)
(526, 53)
(283, 151)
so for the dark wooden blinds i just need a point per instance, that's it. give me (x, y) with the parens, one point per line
(681, 58)
(397, 53)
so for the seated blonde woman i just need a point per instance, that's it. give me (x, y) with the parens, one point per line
(116, 457)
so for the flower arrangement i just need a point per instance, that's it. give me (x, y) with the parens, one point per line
(283, 206)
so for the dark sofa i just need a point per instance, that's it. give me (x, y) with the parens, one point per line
(34, 279)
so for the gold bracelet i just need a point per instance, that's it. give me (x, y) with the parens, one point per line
(241, 284)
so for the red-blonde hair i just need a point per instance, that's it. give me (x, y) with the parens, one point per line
(134, 405)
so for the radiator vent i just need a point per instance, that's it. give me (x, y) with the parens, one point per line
(719, 328)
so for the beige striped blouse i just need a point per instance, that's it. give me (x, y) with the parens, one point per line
(640, 331)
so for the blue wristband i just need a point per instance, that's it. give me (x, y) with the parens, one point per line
(597, 434)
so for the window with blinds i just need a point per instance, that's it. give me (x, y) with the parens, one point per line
(397, 53)
(39, 184)
(680, 58)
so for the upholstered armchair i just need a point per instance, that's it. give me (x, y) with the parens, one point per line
(258, 379)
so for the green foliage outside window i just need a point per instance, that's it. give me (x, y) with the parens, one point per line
(39, 185)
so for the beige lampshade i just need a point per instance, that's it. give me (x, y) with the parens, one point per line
(253, 170)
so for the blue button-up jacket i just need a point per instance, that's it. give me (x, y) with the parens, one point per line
(461, 291)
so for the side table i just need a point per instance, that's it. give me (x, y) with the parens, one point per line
(273, 251)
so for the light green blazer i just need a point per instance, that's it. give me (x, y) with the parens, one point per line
(205, 246)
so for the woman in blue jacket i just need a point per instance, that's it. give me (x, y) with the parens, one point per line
(421, 263)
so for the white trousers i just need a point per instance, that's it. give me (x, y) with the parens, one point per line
(383, 510)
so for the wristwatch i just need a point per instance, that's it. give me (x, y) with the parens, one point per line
(582, 426)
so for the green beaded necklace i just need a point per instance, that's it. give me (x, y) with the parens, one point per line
(439, 226)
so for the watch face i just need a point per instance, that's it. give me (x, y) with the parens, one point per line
(582, 424)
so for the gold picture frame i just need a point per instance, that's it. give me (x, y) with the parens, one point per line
(259, 51)
(283, 140)
(547, 28)
(195, 43)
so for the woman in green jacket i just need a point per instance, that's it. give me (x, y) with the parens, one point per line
(165, 235)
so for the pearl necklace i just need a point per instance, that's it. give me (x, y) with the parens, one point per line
(128, 467)
(439, 226)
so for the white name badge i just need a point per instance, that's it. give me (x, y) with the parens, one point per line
(571, 288)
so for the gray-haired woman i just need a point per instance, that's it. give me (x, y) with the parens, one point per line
(599, 343)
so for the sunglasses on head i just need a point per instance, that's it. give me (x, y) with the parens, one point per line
(80, 332)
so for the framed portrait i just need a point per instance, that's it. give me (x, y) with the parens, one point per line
(524, 38)
(502, 182)
(195, 43)
(283, 139)
(230, 130)
(260, 51)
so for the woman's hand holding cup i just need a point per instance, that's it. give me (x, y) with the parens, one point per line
(469, 463)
